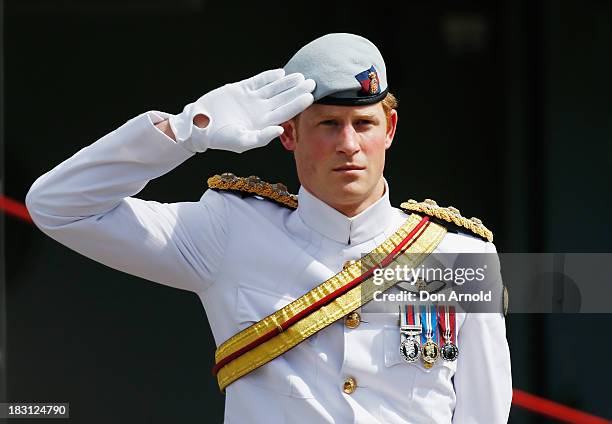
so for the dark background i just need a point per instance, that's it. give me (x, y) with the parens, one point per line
(505, 113)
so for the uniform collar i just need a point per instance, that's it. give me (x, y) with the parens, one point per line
(327, 221)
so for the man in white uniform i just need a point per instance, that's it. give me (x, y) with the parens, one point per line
(247, 256)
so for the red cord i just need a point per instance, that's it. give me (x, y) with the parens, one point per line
(553, 409)
(15, 208)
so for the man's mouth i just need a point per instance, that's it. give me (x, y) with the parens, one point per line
(349, 168)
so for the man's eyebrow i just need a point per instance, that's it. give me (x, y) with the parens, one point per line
(366, 115)
(320, 117)
(356, 116)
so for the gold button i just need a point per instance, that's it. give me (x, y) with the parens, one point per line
(348, 263)
(352, 320)
(349, 385)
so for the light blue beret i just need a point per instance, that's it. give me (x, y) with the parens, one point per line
(348, 69)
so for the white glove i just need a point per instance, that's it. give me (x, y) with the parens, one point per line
(245, 114)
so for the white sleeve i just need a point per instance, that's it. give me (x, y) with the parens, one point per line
(85, 204)
(483, 380)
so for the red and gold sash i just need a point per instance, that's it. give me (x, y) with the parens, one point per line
(330, 301)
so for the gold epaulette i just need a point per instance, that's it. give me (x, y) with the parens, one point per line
(448, 214)
(254, 185)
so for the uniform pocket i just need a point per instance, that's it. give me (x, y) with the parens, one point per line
(290, 374)
(422, 390)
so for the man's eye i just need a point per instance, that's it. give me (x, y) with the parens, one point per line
(364, 122)
(328, 122)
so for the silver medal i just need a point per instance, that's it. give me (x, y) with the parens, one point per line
(410, 347)
(449, 350)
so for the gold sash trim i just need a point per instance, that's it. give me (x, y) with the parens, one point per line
(422, 244)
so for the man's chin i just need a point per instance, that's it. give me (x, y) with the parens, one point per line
(350, 191)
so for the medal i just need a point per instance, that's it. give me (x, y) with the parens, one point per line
(431, 351)
(410, 329)
(450, 351)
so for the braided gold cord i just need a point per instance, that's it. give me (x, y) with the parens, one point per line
(254, 185)
(448, 214)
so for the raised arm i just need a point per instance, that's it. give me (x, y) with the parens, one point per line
(86, 201)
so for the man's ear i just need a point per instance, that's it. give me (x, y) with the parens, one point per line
(391, 127)
(289, 137)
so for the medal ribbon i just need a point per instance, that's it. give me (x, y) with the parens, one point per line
(453, 327)
(409, 316)
(415, 315)
(430, 324)
(447, 323)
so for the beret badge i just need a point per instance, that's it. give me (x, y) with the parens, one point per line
(369, 81)
(373, 82)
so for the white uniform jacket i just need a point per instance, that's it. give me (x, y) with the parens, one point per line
(247, 257)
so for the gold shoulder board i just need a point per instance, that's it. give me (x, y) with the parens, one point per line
(254, 186)
(448, 214)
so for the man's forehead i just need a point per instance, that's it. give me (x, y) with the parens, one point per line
(318, 110)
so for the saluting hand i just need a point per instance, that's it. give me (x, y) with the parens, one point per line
(243, 115)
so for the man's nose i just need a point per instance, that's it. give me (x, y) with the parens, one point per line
(348, 142)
